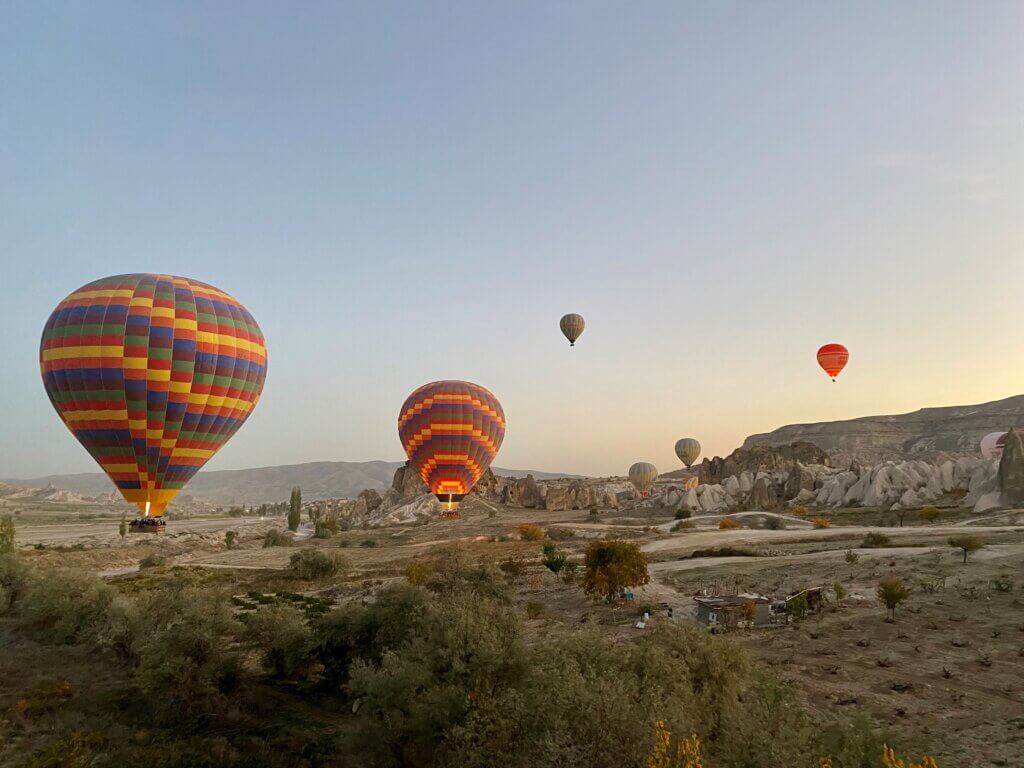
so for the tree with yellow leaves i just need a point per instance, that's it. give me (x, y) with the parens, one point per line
(686, 754)
(890, 760)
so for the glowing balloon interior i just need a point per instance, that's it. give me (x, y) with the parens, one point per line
(153, 374)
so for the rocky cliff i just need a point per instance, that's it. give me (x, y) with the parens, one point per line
(926, 433)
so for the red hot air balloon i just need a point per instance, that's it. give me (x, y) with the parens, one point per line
(833, 358)
(152, 374)
(451, 431)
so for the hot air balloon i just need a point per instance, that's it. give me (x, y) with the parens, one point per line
(572, 326)
(687, 449)
(642, 475)
(833, 358)
(451, 431)
(992, 445)
(153, 374)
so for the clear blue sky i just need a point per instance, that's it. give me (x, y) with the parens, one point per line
(411, 191)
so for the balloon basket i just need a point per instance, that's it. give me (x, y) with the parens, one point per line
(149, 525)
(450, 514)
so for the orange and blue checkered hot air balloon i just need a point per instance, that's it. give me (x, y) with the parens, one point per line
(451, 432)
(152, 374)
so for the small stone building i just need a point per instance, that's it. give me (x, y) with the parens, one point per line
(740, 611)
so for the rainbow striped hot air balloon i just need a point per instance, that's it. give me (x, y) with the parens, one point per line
(451, 431)
(153, 374)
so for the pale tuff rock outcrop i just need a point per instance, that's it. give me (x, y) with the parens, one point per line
(800, 478)
(763, 494)
(423, 507)
(1011, 470)
(759, 459)
(935, 433)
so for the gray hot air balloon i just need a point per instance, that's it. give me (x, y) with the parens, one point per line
(642, 475)
(687, 449)
(572, 326)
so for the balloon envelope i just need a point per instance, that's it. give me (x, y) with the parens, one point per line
(642, 475)
(153, 374)
(572, 326)
(687, 449)
(451, 431)
(992, 445)
(833, 358)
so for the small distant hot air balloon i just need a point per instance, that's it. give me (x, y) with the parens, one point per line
(992, 445)
(572, 326)
(451, 431)
(642, 475)
(687, 449)
(833, 358)
(153, 374)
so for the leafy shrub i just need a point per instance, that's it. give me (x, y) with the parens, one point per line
(417, 572)
(534, 610)
(554, 558)
(324, 528)
(851, 557)
(797, 606)
(6, 534)
(821, 522)
(454, 572)
(13, 575)
(276, 538)
(800, 510)
(229, 539)
(569, 571)
(368, 543)
(153, 561)
(65, 607)
(875, 539)
(281, 633)
(891, 592)
(530, 532)
(610, 566)
(683, 525)
(683, 514)
(728, 524)
(929, 514)
(513, 566)
(774, 523)
(309, 564)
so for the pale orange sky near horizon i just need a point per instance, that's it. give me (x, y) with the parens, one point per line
(401, 194)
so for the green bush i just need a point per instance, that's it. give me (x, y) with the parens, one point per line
(683, 514)
(370, 543)
(276, 538)
(613, 565)
(283, 636)
(774, 523)
(553, 558)
(13, 575)
(6, 534)
(153, 561)
(324, 528)
(875, 539)
(312, 564)
(64, 606)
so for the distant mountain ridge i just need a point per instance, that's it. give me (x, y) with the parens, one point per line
(317, 479)
(923, 433)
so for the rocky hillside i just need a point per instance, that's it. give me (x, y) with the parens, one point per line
(318, 480)
(926, 433)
